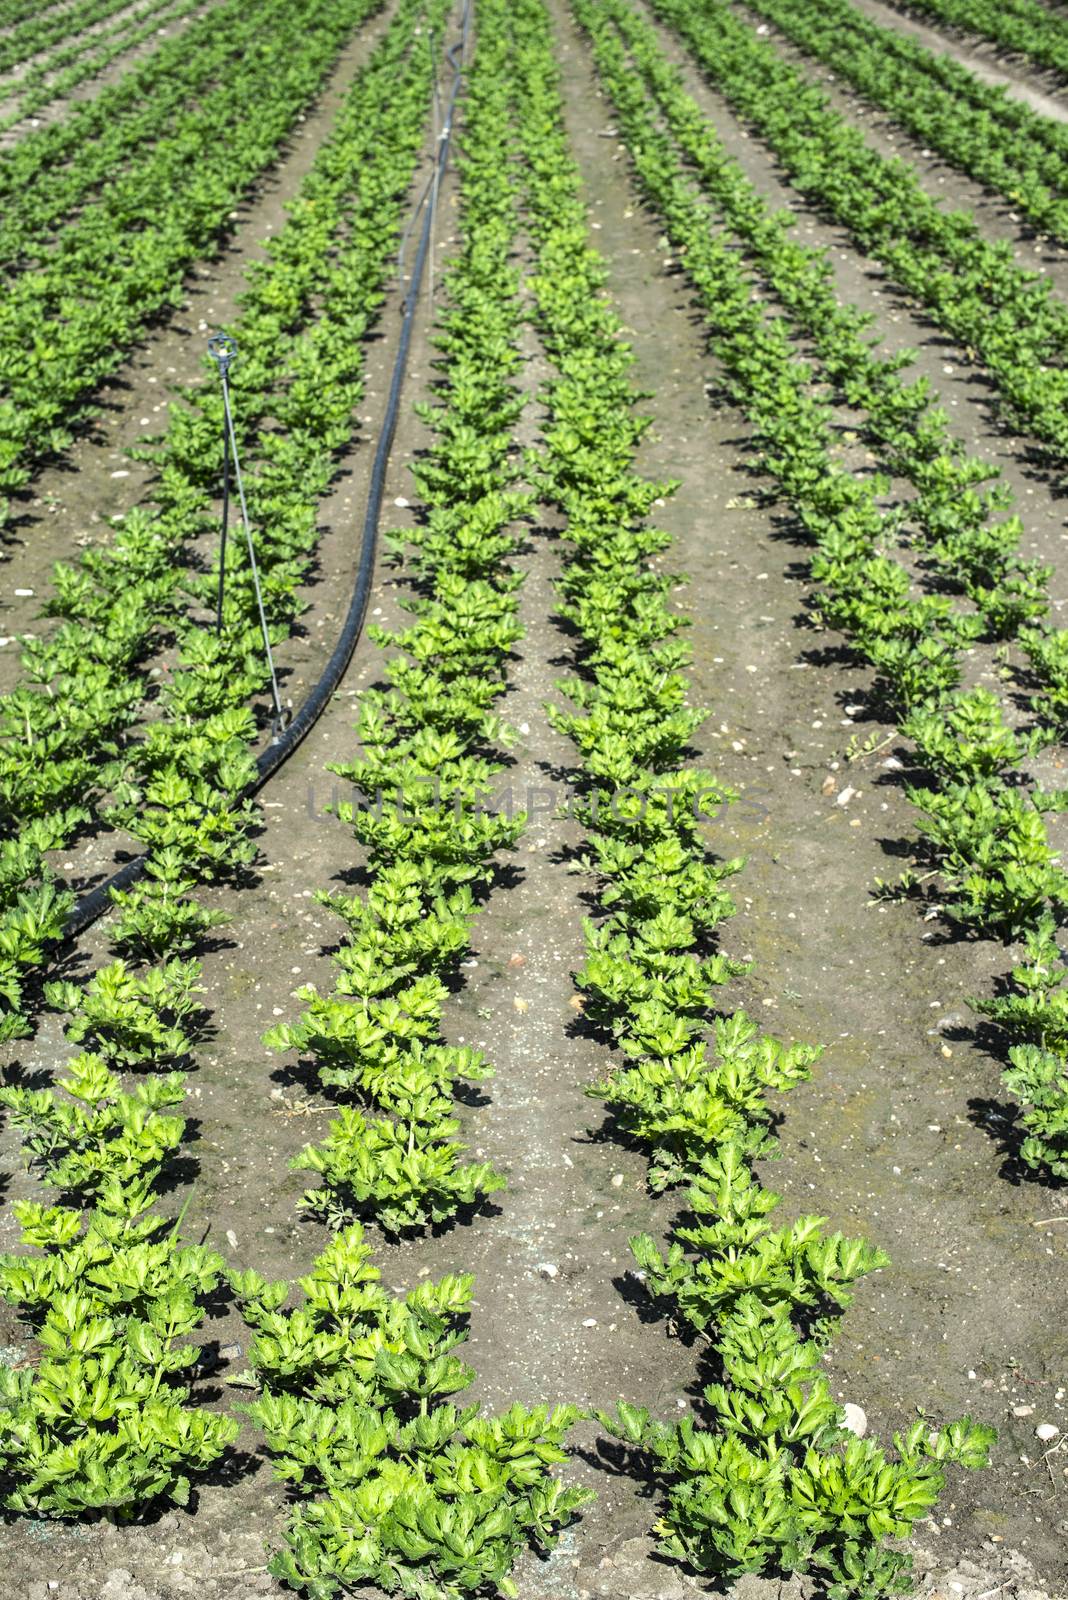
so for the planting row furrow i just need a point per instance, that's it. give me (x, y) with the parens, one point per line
(48, 28)
(70, 752)
(68, 324)
(65, 68)
(998, 141)
(1026, 27)
(766, 1476)
(982, 827)
(1002, 316)
(394, 1484)
(103, 1421)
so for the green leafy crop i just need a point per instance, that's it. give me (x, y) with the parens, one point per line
(100, 1422)
(988, 858)
(98, 1419)
(430, 754)
(764, 1477)
(393, 1484)
(398, 1486)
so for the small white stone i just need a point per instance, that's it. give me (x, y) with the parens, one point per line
(24, 594)
(547, 1269)
(617, 1180)
(1022, 1411)
(855, 1419)
(231, 1238)
(1046, 1431)
(589, 1322)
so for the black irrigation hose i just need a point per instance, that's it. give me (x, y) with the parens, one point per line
(93, 905)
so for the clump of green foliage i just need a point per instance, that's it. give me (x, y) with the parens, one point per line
(398, 1486)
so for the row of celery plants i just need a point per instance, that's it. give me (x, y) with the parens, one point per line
(38, 33)
(766, 1477)
(308, 315)
(1000, 142)
(102, 1422)
(983, 831)
(1001, 315)
(63, 69)
(951, 516)
(67, 324)
(68, 755)
(393, 1483)
(430, 747)
(53, 171)
(1026, 27)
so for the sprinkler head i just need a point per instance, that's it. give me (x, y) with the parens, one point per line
(222, 348)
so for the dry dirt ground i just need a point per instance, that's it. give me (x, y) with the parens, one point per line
(895, 1137)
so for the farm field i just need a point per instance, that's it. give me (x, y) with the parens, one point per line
(533, 984)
